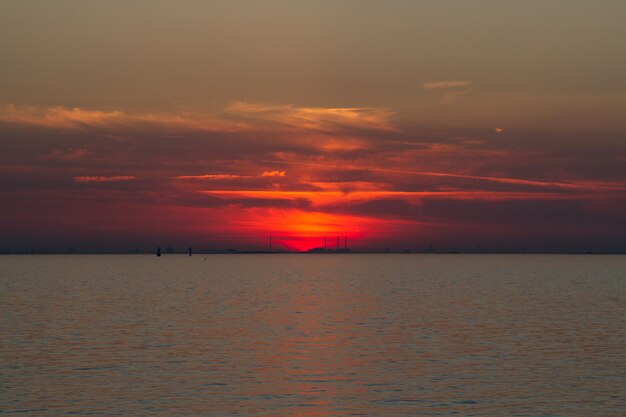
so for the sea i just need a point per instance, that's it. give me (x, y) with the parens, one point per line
(313, 335)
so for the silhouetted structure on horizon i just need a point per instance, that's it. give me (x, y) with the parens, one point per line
(338, 248)
(345, 246)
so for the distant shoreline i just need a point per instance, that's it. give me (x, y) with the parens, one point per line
(311, 253)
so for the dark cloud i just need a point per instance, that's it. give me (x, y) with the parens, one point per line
(65, 168)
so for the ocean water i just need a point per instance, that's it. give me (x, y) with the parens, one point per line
(313, 335)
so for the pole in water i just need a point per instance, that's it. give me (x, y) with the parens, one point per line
(159, 251)
(189, 251)
(270, 248)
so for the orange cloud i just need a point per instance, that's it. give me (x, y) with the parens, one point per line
(76, 118)
(315, 118)
(319, 199)
(211, 177)
(104, 179)
(239, 116)
(338, 145)
(229, 176)
(274, 173)
(442, 85)
(573, 185)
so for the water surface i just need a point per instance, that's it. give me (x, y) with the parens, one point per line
(313, 335)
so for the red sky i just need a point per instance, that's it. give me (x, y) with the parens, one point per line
(215, 125)
(112, 179)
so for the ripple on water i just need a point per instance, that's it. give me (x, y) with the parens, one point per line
(316, 336)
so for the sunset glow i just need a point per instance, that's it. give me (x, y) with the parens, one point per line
(383, 134)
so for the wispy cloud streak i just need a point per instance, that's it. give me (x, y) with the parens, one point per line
(315, 118)
(237, 117)
(443, 85)
(116, 178)
(581, 185)
(211, 177)
(274, 173)
(77, 118)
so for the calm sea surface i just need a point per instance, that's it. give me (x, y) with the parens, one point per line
(313, 335)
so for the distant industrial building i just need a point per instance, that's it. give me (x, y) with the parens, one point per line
(338, 248)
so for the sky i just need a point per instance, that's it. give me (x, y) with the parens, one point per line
(483, 125)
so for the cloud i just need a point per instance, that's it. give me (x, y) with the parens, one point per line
(618, 186)
(443, 85)
(77, 118)
(211, 177)
(115, 178)
(338, 163)
(315, 118)
(236, 117)
(229, 176)
(68, 154)
(274, 173)
(328, 197)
